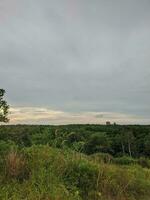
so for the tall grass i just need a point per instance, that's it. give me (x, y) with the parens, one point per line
(15, 165)
(65, 175)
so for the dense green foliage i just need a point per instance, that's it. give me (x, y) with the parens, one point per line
(74, 162)
(116, 140)
(3, 107)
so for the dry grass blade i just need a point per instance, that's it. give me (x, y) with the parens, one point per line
(16, 166)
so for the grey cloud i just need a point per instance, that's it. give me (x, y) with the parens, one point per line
(77, 55)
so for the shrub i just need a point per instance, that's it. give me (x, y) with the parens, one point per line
(125, 160)
(82, 175)
(144, 162)
(98, 142)
(78, 146)
(5, 147)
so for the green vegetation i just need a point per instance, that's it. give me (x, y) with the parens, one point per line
(3, 107)
(117, 140)
(76, 162)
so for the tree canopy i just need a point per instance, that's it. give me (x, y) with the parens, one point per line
(4, 107)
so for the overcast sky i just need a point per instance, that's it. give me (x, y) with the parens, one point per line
(76, 61)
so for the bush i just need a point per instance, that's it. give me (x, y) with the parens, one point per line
(5, 147)
(98, 142)
(125, 160)
(82, 175)
(144, 162)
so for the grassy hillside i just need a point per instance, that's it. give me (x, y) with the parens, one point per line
(50, 163)
(45, 173)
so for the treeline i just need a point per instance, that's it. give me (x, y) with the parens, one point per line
(117, 140)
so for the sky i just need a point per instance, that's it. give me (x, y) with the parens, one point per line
(76, 61)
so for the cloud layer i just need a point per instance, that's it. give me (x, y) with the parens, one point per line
(35, 115)
(76, 56)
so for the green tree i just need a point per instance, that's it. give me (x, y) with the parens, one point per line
(98, 142)
(147, 145)
(4, 107)
(127, 140)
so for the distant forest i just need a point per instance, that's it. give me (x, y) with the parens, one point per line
(116, 140)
